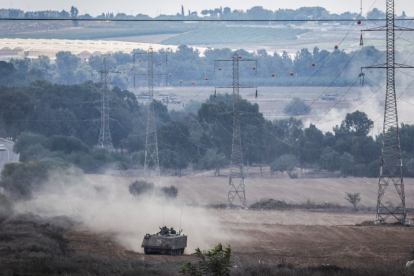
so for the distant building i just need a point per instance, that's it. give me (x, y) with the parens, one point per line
(42, 14)
(11, 13)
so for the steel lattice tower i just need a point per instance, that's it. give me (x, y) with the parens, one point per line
(236, 178)
(391, 159)
(237, 187)
(105, 139)
(151, 144)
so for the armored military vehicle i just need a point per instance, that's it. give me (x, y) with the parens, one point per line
(167, 241)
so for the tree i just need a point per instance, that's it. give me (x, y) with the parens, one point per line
(213, 160)
(356, 123)
(330, 160)
(286, 162)
(20, 180)
(66, 67)
(347, 164)
(6, 70)
(375, 14)
(140, 187)
(66, 144)
(27, 139)
(74, 12)
(172, 160)
(170, 192)
(215, 262)
(354, 199)
(296, 108)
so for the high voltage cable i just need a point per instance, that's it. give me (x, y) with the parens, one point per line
(340, 73)
(365, 70)
(197, 20)
(327, 58)
(374, 82)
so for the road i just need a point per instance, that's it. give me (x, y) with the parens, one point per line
(8, 155)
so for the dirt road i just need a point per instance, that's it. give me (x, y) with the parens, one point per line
(299, 238)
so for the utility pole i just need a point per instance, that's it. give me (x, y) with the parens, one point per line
(151, 142)
(105, 139)
(391, 160)
(237, 186)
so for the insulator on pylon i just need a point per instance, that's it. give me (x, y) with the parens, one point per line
(361, 79)
(215, 93)
(134, 82)
(361, 41)
(256, 93)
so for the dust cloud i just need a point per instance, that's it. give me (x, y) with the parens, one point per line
(108, 207)
(372, 103)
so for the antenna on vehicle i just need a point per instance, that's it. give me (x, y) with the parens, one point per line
(163, 213)
(180, 230)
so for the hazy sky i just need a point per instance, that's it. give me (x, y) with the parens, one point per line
(154, 7)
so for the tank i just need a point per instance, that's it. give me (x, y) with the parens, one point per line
(167, 241)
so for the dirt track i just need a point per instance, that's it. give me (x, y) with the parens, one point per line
(299, 238)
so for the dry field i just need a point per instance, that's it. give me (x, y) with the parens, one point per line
(204, 189)
(301, 238)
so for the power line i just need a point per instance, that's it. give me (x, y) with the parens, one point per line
(196, 20)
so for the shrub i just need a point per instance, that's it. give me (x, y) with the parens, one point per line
(20, 180)
(296, 107)
(66, 144)
(171, 191)
(216, 262)
(140, 187)
(286, 162)
(6, 208)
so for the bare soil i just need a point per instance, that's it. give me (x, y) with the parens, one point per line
(298, 238)
(301, 238)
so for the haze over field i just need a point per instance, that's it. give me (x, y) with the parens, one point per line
(263, 144)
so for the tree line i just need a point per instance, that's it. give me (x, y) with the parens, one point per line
(186, 67)
(61, 122)
(226, 13)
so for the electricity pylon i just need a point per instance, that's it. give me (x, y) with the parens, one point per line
(237, 186)
(151, 142)
(391, 160)
(105, 139)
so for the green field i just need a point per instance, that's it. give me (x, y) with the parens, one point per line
(232, 35)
